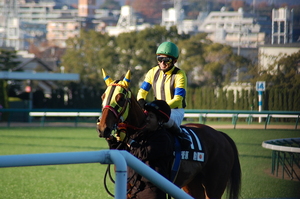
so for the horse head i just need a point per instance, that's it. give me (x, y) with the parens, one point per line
(117, 103)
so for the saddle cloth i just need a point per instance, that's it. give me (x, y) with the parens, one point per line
(195, 152)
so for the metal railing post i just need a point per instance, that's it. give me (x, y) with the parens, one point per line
(154, 177)
(104, 157)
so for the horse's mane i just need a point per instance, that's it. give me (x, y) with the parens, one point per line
(136, 110)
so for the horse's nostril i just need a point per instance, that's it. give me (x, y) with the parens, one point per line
(106, 133)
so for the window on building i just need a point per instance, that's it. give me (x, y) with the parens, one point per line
(12, 32)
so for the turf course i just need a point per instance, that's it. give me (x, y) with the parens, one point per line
(86, 180)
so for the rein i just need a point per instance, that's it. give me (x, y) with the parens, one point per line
(121, 128)
(124, 125)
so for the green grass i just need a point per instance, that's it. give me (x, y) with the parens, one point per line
(256, 160)
(86, 180)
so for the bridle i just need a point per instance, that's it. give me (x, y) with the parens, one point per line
(120, 112)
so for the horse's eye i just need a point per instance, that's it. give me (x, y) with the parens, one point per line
(120, 99)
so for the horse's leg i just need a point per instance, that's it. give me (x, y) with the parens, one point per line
(215, 180)
(195, 188)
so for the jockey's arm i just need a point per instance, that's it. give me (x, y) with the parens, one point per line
(146, 86)
(179, 92)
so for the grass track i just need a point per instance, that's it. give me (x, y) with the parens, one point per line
(86, 180)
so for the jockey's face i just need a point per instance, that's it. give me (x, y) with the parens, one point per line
(165, 65)
(151, 121)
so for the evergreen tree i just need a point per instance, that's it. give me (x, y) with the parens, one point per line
(296, 101)
(7, 63)
(270, 98)
(230, 101)
(251, 100)
(276, 100)
(238, 101)
(291, 95)
(285, 100)
(191, 101)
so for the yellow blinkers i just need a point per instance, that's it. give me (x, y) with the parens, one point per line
(112, 96)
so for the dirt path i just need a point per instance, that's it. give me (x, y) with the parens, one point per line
(82, 124)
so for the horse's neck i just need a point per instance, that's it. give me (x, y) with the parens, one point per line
(136, 115)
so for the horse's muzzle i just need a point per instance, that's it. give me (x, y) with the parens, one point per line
(103, 133)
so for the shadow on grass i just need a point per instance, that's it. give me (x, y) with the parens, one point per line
(40, 137)
(64, 146)
(255, 156)
(247, 144)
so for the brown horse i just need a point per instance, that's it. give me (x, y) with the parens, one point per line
(220, 168)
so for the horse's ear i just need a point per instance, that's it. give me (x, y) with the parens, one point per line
(106, 78)
(126, 79)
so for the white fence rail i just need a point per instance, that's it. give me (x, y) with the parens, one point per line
(200, 114)
(120, 158)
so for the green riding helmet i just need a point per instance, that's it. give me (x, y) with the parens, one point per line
(168, 48)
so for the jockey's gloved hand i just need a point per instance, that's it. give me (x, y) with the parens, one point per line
(142, 103)
(121, 135)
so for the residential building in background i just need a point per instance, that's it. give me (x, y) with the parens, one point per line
(59, 30)
(25, 22)
(236, 28)
(86, 8)
(282, 26)
(52, 22)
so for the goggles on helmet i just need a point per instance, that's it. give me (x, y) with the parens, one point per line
(167, 60)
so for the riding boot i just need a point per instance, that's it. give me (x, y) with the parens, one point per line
(184, 139)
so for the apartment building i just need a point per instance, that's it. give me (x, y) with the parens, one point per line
(23, 22)
(86, 8)
(42, 12)
(62, 28)
(59, 30)
(236, 28)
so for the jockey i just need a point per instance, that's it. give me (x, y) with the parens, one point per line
(154, 146)
(169, 83)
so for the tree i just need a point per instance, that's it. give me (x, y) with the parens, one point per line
(126, 51)
(222, 64)
(149, 9)
(283, 72)
(7, 63)
(88, 53)
(110, 5)
(288, 71)
(192, 58)
(7, 60)
(236, 4)
(206, 63)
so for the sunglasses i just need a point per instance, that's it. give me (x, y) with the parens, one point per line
(164, 59)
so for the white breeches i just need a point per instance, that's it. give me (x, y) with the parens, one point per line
(176, 117)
